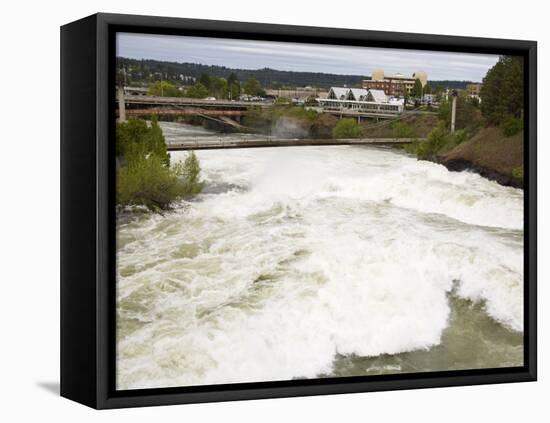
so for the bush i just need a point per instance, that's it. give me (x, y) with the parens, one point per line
(518, 172)
(323, 126)
(436, 140)
(189, 171)
(146, 181)
(347, 128)
(512, 126)
(402, 130)
(136, 139)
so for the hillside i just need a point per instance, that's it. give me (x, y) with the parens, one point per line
(491, 154)
(145, 71)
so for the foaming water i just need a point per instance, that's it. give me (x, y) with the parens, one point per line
(318, 261)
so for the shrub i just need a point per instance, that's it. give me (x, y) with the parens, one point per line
(436, 140)
(402, 130)
(189, 170)
(323, 126)
(146, 178)
(459, 136)
(517, 172)
(136, 139)
(347, 128)
(146, 181)
(512, 126)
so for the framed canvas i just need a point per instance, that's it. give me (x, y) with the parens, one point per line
(255, 211)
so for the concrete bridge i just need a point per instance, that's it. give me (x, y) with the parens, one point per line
(148, 101)
(183, 111)
(207, 143)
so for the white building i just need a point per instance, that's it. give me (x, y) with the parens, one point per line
(360, 101)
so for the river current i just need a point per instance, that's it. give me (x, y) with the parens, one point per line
(307, 262)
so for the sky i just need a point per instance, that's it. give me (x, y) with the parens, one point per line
(251, 54)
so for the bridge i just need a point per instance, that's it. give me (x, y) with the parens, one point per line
(148, 101)
(208, 143)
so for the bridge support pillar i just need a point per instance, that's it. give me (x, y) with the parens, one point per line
(121, 105)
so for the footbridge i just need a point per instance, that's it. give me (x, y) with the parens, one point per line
(208, 143)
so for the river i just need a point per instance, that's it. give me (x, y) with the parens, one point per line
(307, 262)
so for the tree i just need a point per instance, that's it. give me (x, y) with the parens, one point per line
(253, 87)
(136, 139)
(165, 89)
(502, 90)
(190, 171)
(205, 80)
(197, 91)
(468, 116)
(156, 144)
(145, 177)
(218, 87)
(233, 86)
(427, 89)
(416, 91)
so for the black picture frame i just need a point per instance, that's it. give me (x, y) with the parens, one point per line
(88, 220)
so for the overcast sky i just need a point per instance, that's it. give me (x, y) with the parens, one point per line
(247, 54)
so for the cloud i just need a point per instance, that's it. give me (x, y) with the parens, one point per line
(249, 54)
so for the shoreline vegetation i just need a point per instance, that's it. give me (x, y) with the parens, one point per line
(489, 137)
(145, 176)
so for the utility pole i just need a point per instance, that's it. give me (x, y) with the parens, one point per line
(453, 110)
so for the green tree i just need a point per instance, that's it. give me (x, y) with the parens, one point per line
(416, 91)
(145, 177)
(204, 79)
(502, 90)
(218, 87)
(233, 87)
(253, 87)
(146, 181)
(197, 91)
(164, 88)
(156, 142)
(435, 141)
(347, 128)
(190, 171)
(427, 89)
(468, 116)
(136, 139)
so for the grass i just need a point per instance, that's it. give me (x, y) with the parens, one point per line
(491, 149)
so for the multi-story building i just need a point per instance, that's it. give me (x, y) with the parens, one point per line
(473, 91)
(396, 85)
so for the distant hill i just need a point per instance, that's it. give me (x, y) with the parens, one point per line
(145, 71)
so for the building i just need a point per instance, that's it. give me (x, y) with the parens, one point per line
(396, 85)
(359, 101)
(357, 94)
(473, 91)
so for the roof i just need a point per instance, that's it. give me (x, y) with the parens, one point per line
(379, 96)
(358, 94)
(339, 92)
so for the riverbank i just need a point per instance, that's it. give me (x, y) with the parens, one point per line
(487, 152)
(491, 154)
